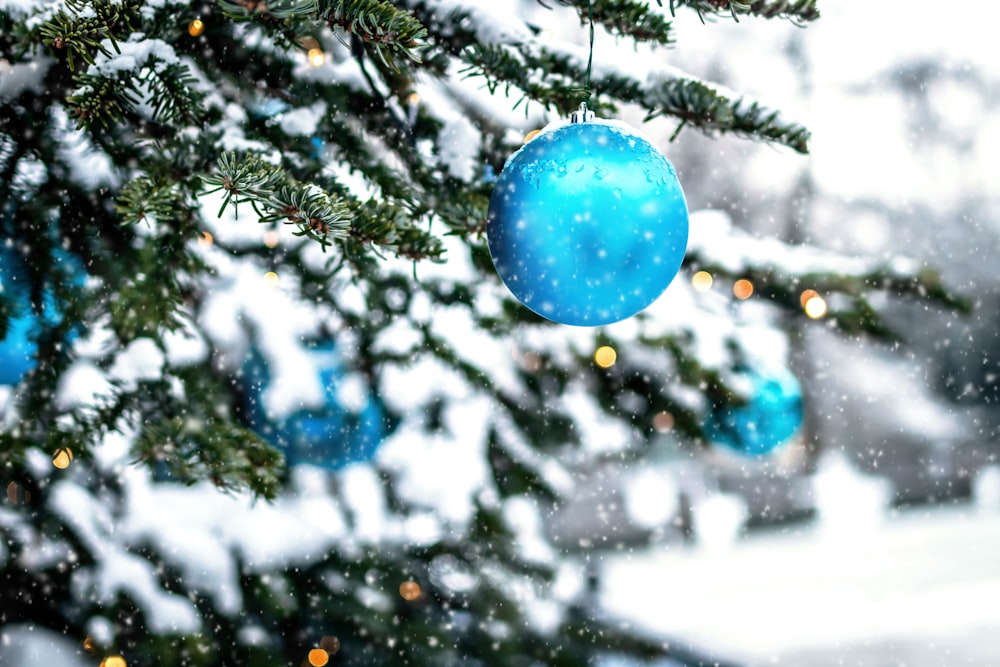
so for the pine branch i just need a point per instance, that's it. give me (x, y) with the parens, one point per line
(797, 11)
(83, 37)
(379, 24)
(627, 18)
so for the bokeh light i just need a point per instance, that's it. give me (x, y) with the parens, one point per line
(114, 661)
(89, 645)
(816, 307)
(271, 277)
(62, 458)
(196, 27)
(413, 99)
(806, 295)
(663, 421)
(410, 590)
(530, 135)
(605, 356)
(17, 493)
(316, 57)
(206, 238)
(271, 238)
(742, 289)
(318, 657)
(702, 281)
(329, 644)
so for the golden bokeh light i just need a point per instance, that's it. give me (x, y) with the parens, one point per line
(806, 295)
(62, 458)
(89, 645)
(329, 644)
(413, 99)
(605, 356)
(410, 590)
(114, 661)
(196, 27)
(742, 289)
(531, 135)
(318, 657)
(271, 238)
(316, 57)
(663, 421)
(206, 238)
(816, 307)
(702, 281)
(271, 277)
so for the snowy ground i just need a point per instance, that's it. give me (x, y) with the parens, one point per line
(921, 589)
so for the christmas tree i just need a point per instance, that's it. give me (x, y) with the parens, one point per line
(243, 250)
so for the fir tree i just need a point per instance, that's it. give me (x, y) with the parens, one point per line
(189, 186)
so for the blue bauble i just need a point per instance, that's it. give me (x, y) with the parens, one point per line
(19, 347)
(329, 436)
(587, 223)
(772, 415)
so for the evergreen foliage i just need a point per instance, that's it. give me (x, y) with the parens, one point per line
(169, 116)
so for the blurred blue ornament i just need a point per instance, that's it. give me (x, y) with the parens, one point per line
(769, 418)
(317, 147)
(587, 223)
(19, 347)
(329, 436)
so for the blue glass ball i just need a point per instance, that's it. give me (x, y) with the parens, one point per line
(330, 436)
(587, 223)
(772, 415)
(19, 346)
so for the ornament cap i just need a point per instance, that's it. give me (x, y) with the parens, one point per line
(581, 115)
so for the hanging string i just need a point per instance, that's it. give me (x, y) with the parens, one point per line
(590, 57)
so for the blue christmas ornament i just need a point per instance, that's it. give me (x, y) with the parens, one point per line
(587, 223)
(19, 347)
(772, 415)
(330, 436)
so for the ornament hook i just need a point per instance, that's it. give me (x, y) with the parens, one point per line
(582, 115)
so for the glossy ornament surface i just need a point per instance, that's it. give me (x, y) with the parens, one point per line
(18, 345)
(587, 223)
(771, 416)
(329, 436)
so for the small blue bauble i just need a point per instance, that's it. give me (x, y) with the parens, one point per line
(329, 436)
(772, 415)
(587, 223)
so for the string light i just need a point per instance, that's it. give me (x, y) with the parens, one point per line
(316, 57)
(318, 657)
(742, 289)
(196, 27)
(816, 307)
(409, 590)
(702, 281)
(62, 458)
(271, 238)
(605, 356)
(530, 135)
(114, 661)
